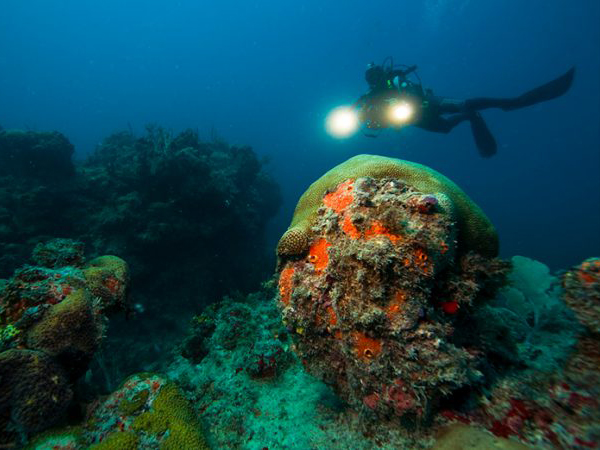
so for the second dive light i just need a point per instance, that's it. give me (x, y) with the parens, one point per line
(400, 112)
(342, 122)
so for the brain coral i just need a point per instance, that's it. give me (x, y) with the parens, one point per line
(52, 320)
(108, 278)
(69, 331)
(374, 303)
(476, 232)
(34, 392)
(148, 410)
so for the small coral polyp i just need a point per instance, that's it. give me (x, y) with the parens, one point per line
(366, 301)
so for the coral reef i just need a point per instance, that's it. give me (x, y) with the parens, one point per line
(550, 398)
(107, 278)
(188, 215)
(527, 323)
(202, 206)
(197, 344)
(475, 230)
(69, 331)
(374, 303)
(260, 352)
(34, 393)
(582, 293)
(248, 386)
(539, 387)
(52, 325)
(44, 156)
(400, 327)
(59, 253)
(37, 191)
(147, 411)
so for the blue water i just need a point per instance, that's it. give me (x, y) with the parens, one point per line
(266, 73)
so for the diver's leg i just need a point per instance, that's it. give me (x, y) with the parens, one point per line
(484, 140)
(449, 105)
(545, 92)
(441, 124)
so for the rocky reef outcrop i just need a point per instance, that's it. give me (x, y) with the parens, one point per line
(536, 386)
(189, 216)
(146, 411)
(394, 263)
(52, 322)
(32, 154)
(392, 294)
(201, 206)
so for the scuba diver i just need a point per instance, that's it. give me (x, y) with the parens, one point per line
(394, 99)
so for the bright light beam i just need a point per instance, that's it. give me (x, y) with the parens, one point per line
(400, 113)
(342, 122)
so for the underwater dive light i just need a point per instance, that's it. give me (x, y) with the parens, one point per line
(342, 122)
(400, 113)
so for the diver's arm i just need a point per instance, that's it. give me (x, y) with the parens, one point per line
(360, 102)
(403, 73)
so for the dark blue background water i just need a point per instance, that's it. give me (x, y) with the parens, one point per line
(266, 73)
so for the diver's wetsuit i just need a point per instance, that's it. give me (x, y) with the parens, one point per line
(441, 114)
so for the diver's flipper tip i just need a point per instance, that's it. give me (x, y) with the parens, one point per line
(484, 140)
(545, 92)
(564, 82)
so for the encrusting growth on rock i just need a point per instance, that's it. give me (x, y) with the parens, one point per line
(53, 318)
(476, 232)
(388, 270)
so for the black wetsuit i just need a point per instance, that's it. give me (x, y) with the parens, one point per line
(442, 114)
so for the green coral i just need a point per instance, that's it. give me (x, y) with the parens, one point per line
(476, 231)
(70, 437)
(201, 319)
(129, 407)
(120, 440)
(172, 413)
(183, 436)
(107, 277)
(7, 334)
(150, 422)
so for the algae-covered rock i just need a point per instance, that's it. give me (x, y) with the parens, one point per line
(376, 304)
(59, 253)
(542, 328)
(582, 293)
(69, 331)
(34, 393)
(51, 324)
(476, 232)
(146, 411)
(107, 278)
(461, 437)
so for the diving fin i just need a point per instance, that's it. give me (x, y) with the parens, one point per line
(545, 92)
(486, 144)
